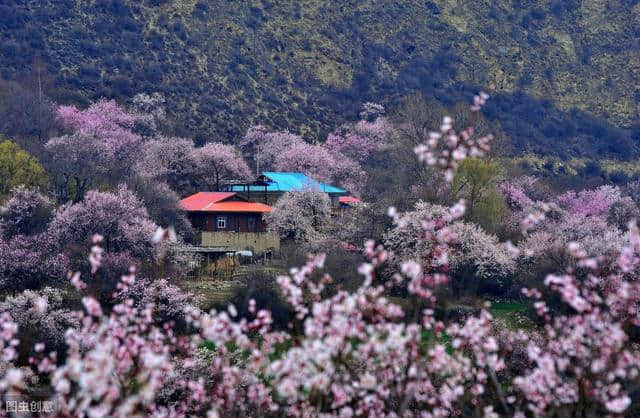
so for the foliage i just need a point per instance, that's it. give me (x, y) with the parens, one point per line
(26, 212)
(101, 147)
(474, 254)
(17, 167)
(169, 301)
(29, 116)
(41, 319)
(27, 262)
(302, 215)
(543, 130)
(262, 289)
(119, 217)
(216, 162)
(162, 203)
(476, 181)
(188, 169)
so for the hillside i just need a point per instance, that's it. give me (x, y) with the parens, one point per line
(308, 65)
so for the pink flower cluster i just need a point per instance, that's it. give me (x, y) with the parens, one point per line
(515, 192)
(448, 147)
(595, 202)
(104, 119)
(585, 357)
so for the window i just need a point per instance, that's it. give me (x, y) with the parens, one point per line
(251, 224)
(222, 222)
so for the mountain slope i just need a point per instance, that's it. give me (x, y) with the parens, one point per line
(308, 65)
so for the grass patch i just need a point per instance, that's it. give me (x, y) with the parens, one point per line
(513, 314)
(211, 292)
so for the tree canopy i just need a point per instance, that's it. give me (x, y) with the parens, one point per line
(18, 167)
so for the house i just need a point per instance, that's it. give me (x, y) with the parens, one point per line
(348, 201)
(229, 222)
(270, 185)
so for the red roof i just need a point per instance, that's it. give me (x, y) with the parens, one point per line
(203, 200)
(215, 202)
(239, 207)
(349, 199)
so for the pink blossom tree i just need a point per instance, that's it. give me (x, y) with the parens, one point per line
(41, 318)
(100, 147)
(301, 216)
(321, 164)
(352, 145)
(283, 151)
(150, 113)
(216, 162)
(28, 262)
(263, 146)
(305, 158)
(120, 217)
(188, 169)
(360, 140)
(550, 239)
(595, 219)
(371, 111)
(26, 212)
(27, 258)
(474, 255)
(104, 119)
(168, 300)
(124, 222)
(622, 212)
(590, 202)
(77, 163)
(162, 203)
(515, 192)
(170, 160)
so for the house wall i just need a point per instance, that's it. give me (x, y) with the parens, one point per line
(238, 234)
(258, 242)
(235, 222)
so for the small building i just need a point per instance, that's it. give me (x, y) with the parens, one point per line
(229, 222)
(270, 185)
(348, 201)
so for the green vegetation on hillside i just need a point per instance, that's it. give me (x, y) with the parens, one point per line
(307, 66)
(18, 167)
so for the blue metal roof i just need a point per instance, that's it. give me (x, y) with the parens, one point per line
(287, 182)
